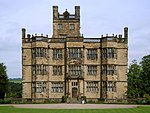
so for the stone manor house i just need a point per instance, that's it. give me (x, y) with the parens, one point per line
(67, 63)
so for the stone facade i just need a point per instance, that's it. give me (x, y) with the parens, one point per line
(70, 64)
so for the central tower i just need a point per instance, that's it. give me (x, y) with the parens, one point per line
(66, 24)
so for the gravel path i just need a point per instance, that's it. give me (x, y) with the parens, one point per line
(72, 106)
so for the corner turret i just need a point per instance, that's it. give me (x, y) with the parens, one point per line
(23, 33)
(126, 32)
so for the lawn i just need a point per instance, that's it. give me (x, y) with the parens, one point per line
(15, 81)
(8, 109)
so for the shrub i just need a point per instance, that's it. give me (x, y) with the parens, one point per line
(5, 101)
(64, 98)
(83, 98)
(147, 97)
(91, 102)
(140, 101)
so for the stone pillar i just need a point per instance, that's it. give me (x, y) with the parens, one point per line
(23, 33)
(55, 12)
(126, 32)
(77, 12)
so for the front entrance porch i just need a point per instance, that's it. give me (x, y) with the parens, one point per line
(74, 92)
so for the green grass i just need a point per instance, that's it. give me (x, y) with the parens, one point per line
(8, 109)
(15, 81)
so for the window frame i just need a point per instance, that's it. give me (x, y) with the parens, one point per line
(39, 69)
(109, 70)
(39, 52)
(92, 70)
(71, 26)
(74, 53)
(57, 54)
(111, 86)
(110, 53)
(74, 70)
(92, 86)
(57, 70)
(59, 26)
(39, 87)
(57, 87)
(92, 54)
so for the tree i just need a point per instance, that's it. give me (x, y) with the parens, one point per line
(14, 90)
(145, 74)
(134, 83)
(3, 81)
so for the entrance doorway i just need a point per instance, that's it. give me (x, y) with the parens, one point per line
(74, 92)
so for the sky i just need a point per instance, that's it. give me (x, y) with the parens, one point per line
(98, 17)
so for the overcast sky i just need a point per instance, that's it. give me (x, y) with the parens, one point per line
(97, 17)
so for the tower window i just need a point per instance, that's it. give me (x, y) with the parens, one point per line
(57, 87)
(111, 86)
(39, 87)
(92, 70)
(39, 69)
(92, 54)
(39, 52)
(72, 26)
(109, 70)
(57, 54)
(57, 70)
(74, 53)
(62, 36)
(92, 86)
(110, 53)
(74, 70)
(60, 26)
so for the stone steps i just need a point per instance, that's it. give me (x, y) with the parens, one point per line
(74, 101)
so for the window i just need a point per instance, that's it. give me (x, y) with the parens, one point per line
(74, 70)
(109, 70)
(57, 70)
(92, 70)
(39, 87)
(74, 84)
(60, 26)
(57, 54)
(39, 69)
(111, 86)
(39, 52)
(57, 87)
(92, 86)
(109, 53)
(62, 36)
(72, 26)
(104, 70)
(74, 53)
(92, 54)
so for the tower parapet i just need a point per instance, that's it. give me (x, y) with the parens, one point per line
(66, 14)
(66, 24)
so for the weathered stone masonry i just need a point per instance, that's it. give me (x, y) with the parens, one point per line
(70, 64)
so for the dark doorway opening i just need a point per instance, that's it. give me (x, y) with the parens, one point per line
(74, 92)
